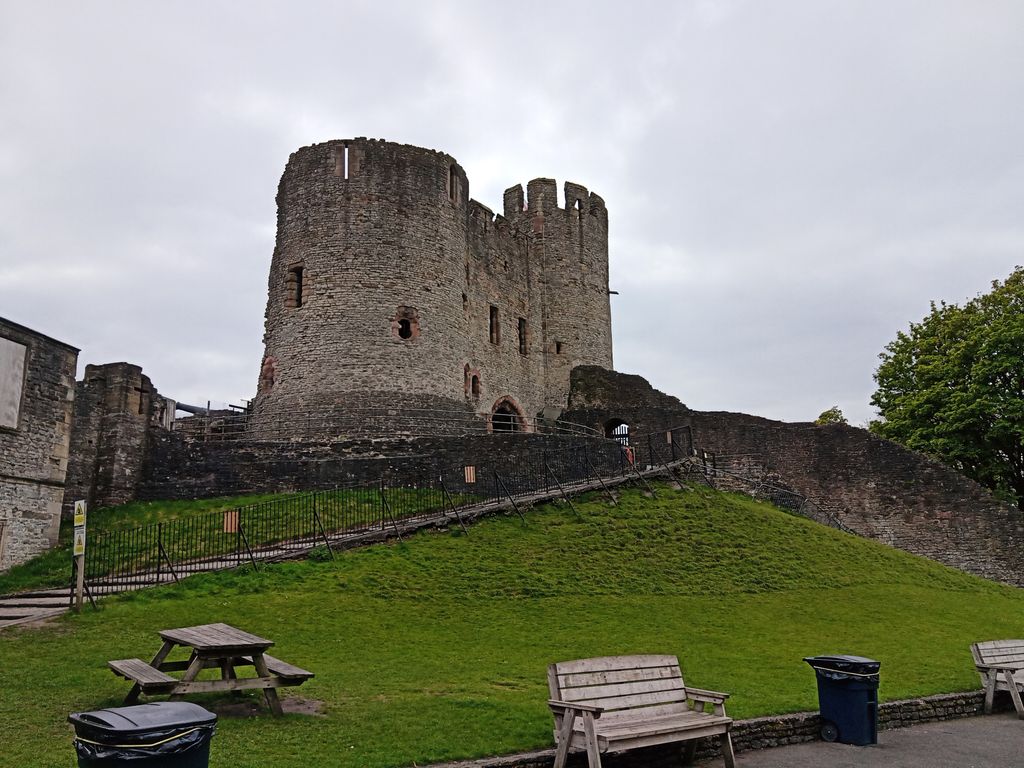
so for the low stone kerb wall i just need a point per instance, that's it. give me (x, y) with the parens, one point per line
(759, 733)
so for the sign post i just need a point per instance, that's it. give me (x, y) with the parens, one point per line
(78, 551)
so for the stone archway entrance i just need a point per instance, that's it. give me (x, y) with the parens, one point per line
(617, 430)
(507, 416)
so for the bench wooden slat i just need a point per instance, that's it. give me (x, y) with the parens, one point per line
(683, 721)
(284, 669)
(636, 700)
(617, 676)
(608, 663)
(147, 677)
(1000, 644)
(594, 692)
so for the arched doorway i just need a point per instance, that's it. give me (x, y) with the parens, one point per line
(617, 430)
(507, 416)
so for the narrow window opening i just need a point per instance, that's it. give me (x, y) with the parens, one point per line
(522, 335)
(406, 323)
(345, 163)
(474, 386)
(493, 328)
(452, 181)
(294, 287)
(558, 347)
(465, 302)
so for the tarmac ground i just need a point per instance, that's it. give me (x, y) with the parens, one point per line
(992, 741)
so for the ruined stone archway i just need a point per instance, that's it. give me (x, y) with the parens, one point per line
(618, 430)
(507, 416)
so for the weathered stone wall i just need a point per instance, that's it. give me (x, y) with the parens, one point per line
(177, 468)
(34, 453)
(115, 406)
(385, 272)
(885, 491)
(880, 490)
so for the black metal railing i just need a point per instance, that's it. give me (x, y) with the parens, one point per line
(294, 524)
(290, 525)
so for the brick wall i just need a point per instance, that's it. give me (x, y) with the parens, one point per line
(34, 453)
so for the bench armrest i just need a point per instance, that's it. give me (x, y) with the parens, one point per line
(554, 704)
(712, 697)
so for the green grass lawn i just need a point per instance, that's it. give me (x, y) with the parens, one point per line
(436, 648)
(194, 529)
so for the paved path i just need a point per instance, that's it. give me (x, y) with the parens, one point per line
(994, 741)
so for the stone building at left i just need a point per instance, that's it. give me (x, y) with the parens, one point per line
(37, 389)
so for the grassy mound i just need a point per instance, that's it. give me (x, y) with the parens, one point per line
(436, 649)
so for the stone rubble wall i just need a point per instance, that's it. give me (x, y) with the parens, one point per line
(875, 487)
(34, 455)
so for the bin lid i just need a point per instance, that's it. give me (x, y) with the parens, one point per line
(142, 718)
(845, 663)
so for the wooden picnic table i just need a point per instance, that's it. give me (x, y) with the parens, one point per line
(214, 646)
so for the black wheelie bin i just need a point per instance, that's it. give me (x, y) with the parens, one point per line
(166, 734)
(847, 698)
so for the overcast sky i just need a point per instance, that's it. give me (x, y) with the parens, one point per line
(789, 183)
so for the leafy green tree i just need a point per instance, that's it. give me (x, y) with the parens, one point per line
(953, 387)
(831, 416)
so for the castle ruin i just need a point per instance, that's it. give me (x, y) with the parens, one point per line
(391, 289)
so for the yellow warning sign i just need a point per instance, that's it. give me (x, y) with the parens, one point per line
(79, 543)
(80, 513)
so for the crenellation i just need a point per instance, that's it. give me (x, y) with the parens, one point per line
(515, 202)
(576, 197)
(542, 197)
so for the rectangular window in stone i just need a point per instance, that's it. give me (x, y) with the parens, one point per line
(12, 381)
(470, 474)
(294, 286)
(522, 335)
(558, 347)
(494, 327)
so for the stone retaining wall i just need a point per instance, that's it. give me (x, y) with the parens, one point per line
(759, 733)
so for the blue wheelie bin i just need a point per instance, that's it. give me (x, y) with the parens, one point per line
(847, 698)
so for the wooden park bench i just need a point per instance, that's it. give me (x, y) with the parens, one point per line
(617, 703)
(1001, 666)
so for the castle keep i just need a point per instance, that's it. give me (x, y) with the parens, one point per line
(391, 289)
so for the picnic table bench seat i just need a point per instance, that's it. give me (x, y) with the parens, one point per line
(147, 677)
(1000, 663)
(282, 668)
(616, 703)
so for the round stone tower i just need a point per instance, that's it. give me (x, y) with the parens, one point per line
(390, 290)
